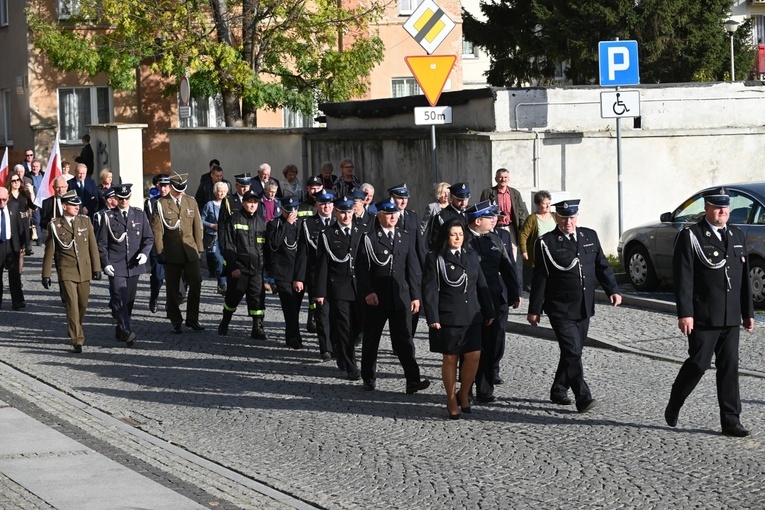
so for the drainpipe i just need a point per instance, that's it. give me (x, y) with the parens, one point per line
(535, 159)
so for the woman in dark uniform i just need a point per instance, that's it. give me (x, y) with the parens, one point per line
(456, 300)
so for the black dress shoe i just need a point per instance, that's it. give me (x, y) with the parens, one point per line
(294, 343)
(354, 375)
(130, 339)
(454, 416)
(369, 386)
(587, 405)
(19, 306)
(561, 401)
(177, 328)
(737, 430)
(77, 349)
(153, 305)
(325, 356)
(670, 416)
(485, 398)
(417, 386)
(195, 325)
(498, 381)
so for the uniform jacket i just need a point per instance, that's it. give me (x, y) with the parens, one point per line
(177, 230)
(243, 242)
(518, 211)
(88, 194)
(365, 222)
(337, 280)
(408, 221)
(305, 270)
(439, 219)
(459, 305)
(121, 255)
(498, 268)
(50, 209)
(563, 293)
(282, 240)
(391, 272)
(76, 262)
(228, 206)
(19, 227)
(713, 297)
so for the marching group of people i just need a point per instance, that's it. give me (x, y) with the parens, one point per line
(365, 264)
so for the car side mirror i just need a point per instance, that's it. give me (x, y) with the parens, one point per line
(665, 217)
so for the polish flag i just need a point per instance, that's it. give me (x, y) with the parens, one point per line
(52, 171)
(4, 168)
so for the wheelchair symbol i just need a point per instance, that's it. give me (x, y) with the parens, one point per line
(619, 107)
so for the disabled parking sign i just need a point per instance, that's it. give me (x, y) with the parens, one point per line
(618, 63)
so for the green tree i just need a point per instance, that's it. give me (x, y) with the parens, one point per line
(255, 53)
(678, 40)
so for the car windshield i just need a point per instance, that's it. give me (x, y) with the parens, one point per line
(742, 208)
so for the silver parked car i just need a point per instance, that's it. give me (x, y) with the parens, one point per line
(646, 251)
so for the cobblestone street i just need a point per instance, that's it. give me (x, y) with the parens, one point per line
(265, 426)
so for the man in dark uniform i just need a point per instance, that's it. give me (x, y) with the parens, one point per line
(177, 229)
(306, 268)
(336, 282)
(233, 202)
(243, 248)
(459, 196)
(306, 209)
(282, 236)
(501, 278)
(389, 282)
(362, 218)
(569, 260)
(124, 242)
(712, 288)
(160, 189)
(72, 243)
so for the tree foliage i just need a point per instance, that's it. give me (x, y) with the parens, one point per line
(255, 53)
(678, 40)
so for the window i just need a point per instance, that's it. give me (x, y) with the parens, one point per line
(3, 13)
(68, 8)
(205, 112)
(295, 119)
(5, 116)
(402, 87)
(407, 7)
(80, 107)
(468, 49)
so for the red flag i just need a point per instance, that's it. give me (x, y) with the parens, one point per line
(4, 168)
(52, 171)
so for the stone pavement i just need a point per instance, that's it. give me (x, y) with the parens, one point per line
(228, 422)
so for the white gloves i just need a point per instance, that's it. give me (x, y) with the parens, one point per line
(109, 270)
(141, 259)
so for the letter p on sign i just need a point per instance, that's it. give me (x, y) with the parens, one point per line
(618, 63)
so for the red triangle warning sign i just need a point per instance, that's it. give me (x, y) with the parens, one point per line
(431, 73)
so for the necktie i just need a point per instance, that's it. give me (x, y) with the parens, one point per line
(3, 237)
(572, 237)
(390, 237)
(723, 237)
(347, 231)
(457, 254)
(178, 201)
(79, 184)
(124, 215)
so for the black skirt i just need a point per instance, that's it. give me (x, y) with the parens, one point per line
(455, 339)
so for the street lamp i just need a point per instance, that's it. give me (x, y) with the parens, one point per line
(730, 27)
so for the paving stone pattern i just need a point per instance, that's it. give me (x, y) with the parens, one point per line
(287, 420)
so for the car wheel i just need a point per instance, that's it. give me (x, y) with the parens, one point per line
(757, 280)
(640, 270)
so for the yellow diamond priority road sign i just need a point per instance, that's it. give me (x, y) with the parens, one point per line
(429, 25)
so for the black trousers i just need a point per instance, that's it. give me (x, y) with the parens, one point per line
(123, 297)
(250, 285)
(157, 275)
(190, 271)
(702, 344)
(571, 335)
(399, 324)
(9, 260)
(321, 316)
(291, 302)
(344, 316)
(492, 350)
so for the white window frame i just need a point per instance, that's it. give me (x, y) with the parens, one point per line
(473, 53)
(93, 99)
(5, 117)
(3, 13)
(67, 8)
(205, 112)
(407, 7)
(410, 82)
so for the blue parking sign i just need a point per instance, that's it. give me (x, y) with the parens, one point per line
(618, 63)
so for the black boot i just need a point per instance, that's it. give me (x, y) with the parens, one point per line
(310, 325)
(258, 333)
(224, 322)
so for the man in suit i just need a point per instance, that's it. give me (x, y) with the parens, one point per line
(124, 242)
(389, 282)
(205, 192)
(72, 242)
(569, 260)
(177, 228)
(86, 156)
(336, 281)
(86, 189)
(459, 196)
(502, 280)
(29, 156)
(512, 209)
(714, 298)
(258, 184)
(13, 238)
(51, 206)
(282, 234)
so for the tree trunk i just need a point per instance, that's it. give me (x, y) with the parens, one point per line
(249, 116)
(231, 110)
(220, 15)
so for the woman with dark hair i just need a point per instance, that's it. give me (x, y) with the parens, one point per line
(21, 194)
(456, 300)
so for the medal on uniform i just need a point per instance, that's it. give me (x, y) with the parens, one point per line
(451, 267)
(708, 234)
(385, 252)
(715, 254)
(560, 239)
